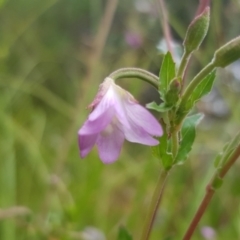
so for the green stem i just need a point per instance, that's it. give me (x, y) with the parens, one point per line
(183, 64)
(156, 199)
(136, 73)
(210, 190)
(193, 84)
(175, 143)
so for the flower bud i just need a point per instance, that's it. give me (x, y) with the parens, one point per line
(228, 53)
(197, 31)
(173, 92)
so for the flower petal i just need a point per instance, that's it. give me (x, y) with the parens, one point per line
(138, 135)
(97, 125)
(137, 123)
(86, 143)
(143, 118)
(108, 100)
(109, 143)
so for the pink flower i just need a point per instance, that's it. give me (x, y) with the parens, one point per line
(116, 115)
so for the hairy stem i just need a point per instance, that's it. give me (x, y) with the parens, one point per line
(136, 73)
(183, 66)
(156, 199)
(193, 84)
(209, 193)
(175, 143)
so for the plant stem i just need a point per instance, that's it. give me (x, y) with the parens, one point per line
(207, 198)
(193, 84)
(136, 73)
(200, 76)
(156, 199)
(165, 26)
(175, 143)
(183, 68)
(183, 64)
(209, 193)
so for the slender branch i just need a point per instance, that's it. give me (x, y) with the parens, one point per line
(156, 199)
(165, 26)
(193, 84)
(136, 73)
(209, 193)
(197, 79)
(175, 143)
(207, 198)
(183, 66)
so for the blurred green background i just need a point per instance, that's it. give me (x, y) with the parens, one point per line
(53, 55)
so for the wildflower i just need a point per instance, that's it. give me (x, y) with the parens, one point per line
(116, 115)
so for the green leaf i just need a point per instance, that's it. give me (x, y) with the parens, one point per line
(161, 152)
(201, 89)
(123, 234)
(159, 108)
(188, 135)
(167, 73)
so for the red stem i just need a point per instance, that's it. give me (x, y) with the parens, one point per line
(207, 198)
(209, 193)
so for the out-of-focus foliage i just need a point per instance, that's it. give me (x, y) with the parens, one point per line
(53, 55)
